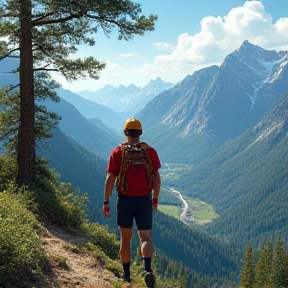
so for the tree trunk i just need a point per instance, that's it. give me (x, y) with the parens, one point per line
(26, 133)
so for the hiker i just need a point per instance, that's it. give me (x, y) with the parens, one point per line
(137, 198)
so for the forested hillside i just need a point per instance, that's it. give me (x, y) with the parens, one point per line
(75, 125)
(78, 166)
(246, 182)
(196, 249)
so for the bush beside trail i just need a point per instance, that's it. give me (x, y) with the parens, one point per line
(21, 251)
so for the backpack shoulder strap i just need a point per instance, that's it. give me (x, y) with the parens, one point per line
(143, 145)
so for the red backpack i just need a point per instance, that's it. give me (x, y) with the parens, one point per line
(136, 171)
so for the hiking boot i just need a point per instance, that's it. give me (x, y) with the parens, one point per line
(126, 278)
(150, 279)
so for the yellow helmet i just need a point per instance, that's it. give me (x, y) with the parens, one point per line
(132, 123)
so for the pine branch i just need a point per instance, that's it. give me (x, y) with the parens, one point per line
(38, 22)
(9, 53)
(46, 69)
(12, 87)
(42, 16)
(6, 134)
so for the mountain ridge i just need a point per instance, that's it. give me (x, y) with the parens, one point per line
(75, 125)
(129, 99)
(222, 106)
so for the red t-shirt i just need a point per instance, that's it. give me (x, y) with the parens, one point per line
(116, 158)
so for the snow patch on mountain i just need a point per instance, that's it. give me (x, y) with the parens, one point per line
(283, 63)
(269, 67)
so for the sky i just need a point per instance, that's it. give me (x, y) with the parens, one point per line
(189, 35)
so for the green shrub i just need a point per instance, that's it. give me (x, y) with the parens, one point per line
(59, 261)
(115, 268)
(73, 248)
(59, 202)
(97, 253)
(8, 171)
(21, 254)
(101, 238)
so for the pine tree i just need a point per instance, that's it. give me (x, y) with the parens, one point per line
(247, 272)
(279, 267)
(263, 267)
(43, 34)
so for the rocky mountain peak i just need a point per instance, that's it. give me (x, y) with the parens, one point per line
(225, 100)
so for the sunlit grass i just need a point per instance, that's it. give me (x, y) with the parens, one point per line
(206, 214)
(201, 211)
(197, 211)
(170, 210)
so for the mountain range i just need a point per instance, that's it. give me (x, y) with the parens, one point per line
(129, 99)
(92, 110)
(112, 105)
(215, 104)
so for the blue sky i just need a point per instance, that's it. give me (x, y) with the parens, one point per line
(188, 35)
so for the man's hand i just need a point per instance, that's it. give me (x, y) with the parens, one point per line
(154, 204)
(106, 210)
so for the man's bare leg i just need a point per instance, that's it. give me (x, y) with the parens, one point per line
(147, 245)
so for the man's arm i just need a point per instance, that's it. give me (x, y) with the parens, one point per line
(109, 185)
(157, 185)
(156, 190)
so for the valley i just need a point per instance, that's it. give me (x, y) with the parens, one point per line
(189, 211)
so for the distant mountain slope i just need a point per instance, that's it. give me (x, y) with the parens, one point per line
(195, 248)
(250, 82)
(175, 106)
(164, 121)
(75, 125)
(127, 99)
(87, 108)
(92, 110)
(78, 166)
(247, 182)
(221, 102)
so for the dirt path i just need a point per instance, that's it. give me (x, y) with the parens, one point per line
(81, 270)
(69, 267)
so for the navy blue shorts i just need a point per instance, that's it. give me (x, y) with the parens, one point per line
(138, 208)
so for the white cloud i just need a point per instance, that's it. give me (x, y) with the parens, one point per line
(163, 46)
(112, 67)
(219, 36)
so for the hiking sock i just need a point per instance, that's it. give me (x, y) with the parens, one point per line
(147, 264)
(126, 270)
